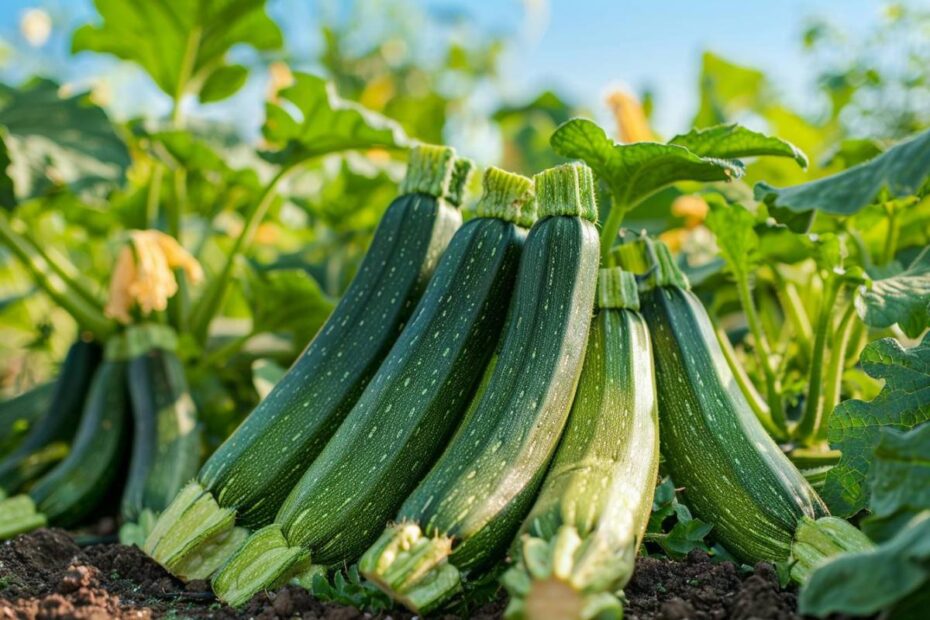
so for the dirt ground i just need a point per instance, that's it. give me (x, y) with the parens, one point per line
(46, 575)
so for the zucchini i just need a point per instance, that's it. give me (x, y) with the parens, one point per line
(245, 481)
(166, 435)
(73, 488)
(49, 437)
(21, 413)
(409, 410)
(733, 473)
(580, 540)
(464, 513)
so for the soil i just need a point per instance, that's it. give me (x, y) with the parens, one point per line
(47, 575)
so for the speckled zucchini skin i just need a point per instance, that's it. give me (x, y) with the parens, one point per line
(733, 473)
(405, 417)
(257, 466)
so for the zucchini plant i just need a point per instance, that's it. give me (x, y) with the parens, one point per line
(466, 510)
(579, 543)
(414, 403)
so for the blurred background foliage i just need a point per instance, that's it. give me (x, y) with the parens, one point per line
(81, 176)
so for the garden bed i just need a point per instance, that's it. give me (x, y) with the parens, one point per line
(47, 575)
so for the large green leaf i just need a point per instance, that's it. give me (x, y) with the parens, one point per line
(734, 229)
(287, 301)
(903, 298)
(634, 171)
(56, 140)
(899, 172)
(735, 141)
(728, 90)
(893, 576)
(899, 480)
(182, 44)
(326, 124)
(855, 426)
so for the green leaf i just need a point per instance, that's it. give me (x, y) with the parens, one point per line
(287, 300)
(899, 172)
(903, 298)
(7, 192)
(223, 83)
(56, 140)
(735, 141)
(734, 228)
(685, 536)
(181, 44)
(899, 480)
(855, 426)
(727, 89)
(853, 151)
(862, 584)
(634, 171)
(326, 124)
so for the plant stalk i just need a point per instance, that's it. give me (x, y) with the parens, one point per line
(833, 381)
(763, 353)
(810, 422)
(611, 227)
(209, 303)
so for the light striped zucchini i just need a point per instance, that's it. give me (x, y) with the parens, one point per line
(245, 481)
(166, 435)
(464, 513)
(409, 410)
(49, 437)
(73, 488)
(579, 542)
(733, 474)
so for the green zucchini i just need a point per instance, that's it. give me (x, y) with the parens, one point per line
(464, 513)
(73, 488)
(245, 481)
(50, 436)
(580, 540)
(21, 413)
(166, 435)
(409, 410)
(733, 474)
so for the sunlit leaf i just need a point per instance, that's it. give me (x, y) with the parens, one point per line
(902, 299)
(634, 171)
(181, 43)
(56, 140)
(287, 301)
(735, 141)
(899, 172)
(727, 89)
(855, 426)
(325, 124)
(223, 83)
(734, 228)
(899, 480)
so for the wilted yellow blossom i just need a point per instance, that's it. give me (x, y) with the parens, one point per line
(144, 274)
(632, 125)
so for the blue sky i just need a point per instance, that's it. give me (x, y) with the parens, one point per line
(578, 47)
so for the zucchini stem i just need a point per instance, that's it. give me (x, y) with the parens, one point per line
(833, 381)
(611, 228)
(794, 310)
(809, 425)
(763, 352)
(211, 300)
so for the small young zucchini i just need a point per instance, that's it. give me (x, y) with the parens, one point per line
(468, 508)
(73, 488)
(405, 417)
(734, 475)
(166, 435)
(49, 436)
(580, 540)
(244, 482)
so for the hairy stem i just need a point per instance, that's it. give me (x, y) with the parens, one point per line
(809, 425)
(763, 352)
(833, 381)
(209, 303)
(610, 229)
